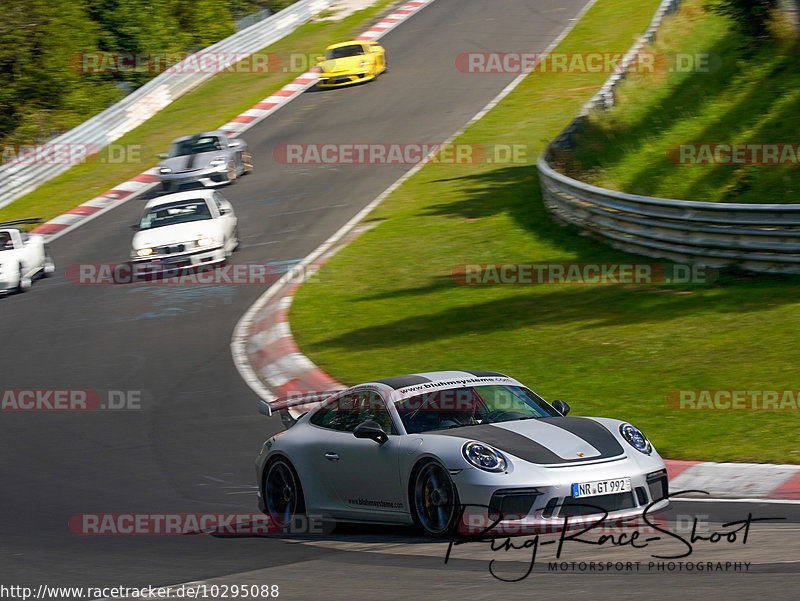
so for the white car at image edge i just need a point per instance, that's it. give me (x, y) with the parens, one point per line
(186, 229)
(23, 256)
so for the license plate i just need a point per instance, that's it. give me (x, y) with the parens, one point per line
(601, 487)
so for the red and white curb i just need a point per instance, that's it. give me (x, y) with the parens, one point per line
(393, 20)
(270, 104)
(745, 481)
(272, 352)
(147, 180)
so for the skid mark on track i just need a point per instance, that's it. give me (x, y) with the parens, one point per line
(165, 300)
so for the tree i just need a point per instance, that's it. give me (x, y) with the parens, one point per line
(140, 29)
(752, 16)
(203, 21)
(41, 93)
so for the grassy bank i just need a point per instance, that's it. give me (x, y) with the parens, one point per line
(719, 91)
(209, 106)
(388, 304)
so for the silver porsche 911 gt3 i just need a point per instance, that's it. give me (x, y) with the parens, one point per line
(453, 451)
(206, 159)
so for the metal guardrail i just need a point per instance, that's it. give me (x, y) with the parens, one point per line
(19, 178)
(756, 237)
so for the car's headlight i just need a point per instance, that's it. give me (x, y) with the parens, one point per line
(635, 438)
(484, 457)
(218, 162)
(209, 241)
(165, 170)
(144, 252)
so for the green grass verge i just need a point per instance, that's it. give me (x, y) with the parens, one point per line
(742, 96)
(211, 105)
(387, 304)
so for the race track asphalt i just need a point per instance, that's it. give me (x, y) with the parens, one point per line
(191, 446)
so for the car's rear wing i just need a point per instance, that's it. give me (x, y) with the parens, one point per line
(293, 406)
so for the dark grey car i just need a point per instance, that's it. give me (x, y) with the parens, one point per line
(207, 159)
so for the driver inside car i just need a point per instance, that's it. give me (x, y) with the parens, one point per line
(462, 412)
(454, 419)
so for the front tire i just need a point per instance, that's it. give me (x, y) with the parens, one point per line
(49, 265)
(237, 240)
(230, 176)
(434, 500)
(283, 494)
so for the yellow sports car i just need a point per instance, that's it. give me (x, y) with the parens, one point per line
(350, 62)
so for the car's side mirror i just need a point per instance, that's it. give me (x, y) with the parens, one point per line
(162, 155)
(135, 227)
(372, 430)
(320, 59)
(560, 406)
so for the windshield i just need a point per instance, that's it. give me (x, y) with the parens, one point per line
(456, 407)
(175, 212)
(345, 51)
(195, 146)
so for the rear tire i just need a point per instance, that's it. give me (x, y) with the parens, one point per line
(283, 493)
(24, 281)
(247, 162)
(434, 500)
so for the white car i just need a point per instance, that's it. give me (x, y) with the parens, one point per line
(23, 256)
(186, 229)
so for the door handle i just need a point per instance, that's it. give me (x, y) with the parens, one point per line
(332, 456)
